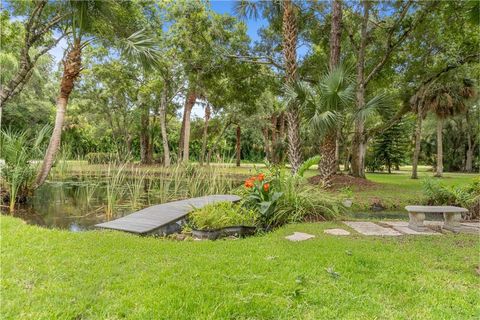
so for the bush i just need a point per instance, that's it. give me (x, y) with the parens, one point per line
(100, 157)
(467, 196)
(296, 202)
(220, 215)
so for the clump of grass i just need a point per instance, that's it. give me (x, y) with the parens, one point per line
(136, 184)
(114, 188)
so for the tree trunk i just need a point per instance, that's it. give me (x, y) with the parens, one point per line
(336, 34)
(191, 99)
(359, 140)
(162, 110)
(205, 133)
(274, 153)
(416, 152)
(327, 166)
(439, 172)
(289, 30)
(470, 146)
(71, 70)
(328, 147)
(182, 138)
(144, 137)
(238, 146)
(266, 143)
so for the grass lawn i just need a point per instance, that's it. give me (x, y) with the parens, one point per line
(52, 274)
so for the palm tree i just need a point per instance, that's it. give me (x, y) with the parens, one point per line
(447, 100)
(289, 13)
(325, 106)
(83, 18)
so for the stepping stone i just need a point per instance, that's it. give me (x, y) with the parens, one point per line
(371, 229)
(299, 236)
(402, 226)
(337, 232)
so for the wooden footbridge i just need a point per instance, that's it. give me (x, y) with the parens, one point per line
(159, 219)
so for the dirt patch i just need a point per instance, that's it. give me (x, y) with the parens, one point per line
(340, 181)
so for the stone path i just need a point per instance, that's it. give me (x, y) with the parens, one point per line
(371, 229)
(337, 232)
(299, 236)
(397, 228)
(402, 226)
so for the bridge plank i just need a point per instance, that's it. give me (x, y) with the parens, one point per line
(152, 218)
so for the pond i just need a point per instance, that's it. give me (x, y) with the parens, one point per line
(78, 203)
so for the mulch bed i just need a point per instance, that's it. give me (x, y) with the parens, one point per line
(340, 181)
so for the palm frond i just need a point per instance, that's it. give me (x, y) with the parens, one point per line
(143, 49)
(376, 103)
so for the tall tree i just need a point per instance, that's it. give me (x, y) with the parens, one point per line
(85, 18)
(328, 161)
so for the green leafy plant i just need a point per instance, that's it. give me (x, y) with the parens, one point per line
(220, 215)
(307, 164)
(467, 196)
(18, 173)
(262, 197)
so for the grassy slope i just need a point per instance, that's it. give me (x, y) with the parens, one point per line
(49, 274)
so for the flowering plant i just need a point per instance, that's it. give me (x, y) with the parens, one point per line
(262, 196)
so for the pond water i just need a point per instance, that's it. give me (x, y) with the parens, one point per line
(78, 204)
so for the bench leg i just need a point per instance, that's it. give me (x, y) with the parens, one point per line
(416, 221)
(452, 221)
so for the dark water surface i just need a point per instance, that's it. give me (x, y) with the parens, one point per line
(78, 203)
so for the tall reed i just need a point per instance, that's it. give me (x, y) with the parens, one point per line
(114, 188)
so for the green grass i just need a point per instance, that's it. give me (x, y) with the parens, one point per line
(52, 274)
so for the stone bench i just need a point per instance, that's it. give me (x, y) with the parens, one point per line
(451, 215)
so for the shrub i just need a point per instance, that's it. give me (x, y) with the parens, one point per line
(100, 157)
(467, 196)
(19, 172)
(295, 202)
(221, 215)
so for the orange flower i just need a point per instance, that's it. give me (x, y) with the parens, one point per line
(261, 177)
(266, 187)
(248, 183)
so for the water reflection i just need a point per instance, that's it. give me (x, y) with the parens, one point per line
(79, 203)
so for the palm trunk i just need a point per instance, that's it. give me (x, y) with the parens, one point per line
(328, 149)
(289, 29)
(359, 143)
(327, 166)
(205, 134)
(191, 99)
(416, 152)
(162, 110)
(439, 172)
(71, 70)
(238, 145)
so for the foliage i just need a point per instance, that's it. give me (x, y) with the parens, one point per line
(263, 197)
(220, 215)
(467, 196)
(19, 150)
(288, 199)
(307, 164)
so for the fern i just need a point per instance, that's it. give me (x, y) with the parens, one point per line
(307, 164)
